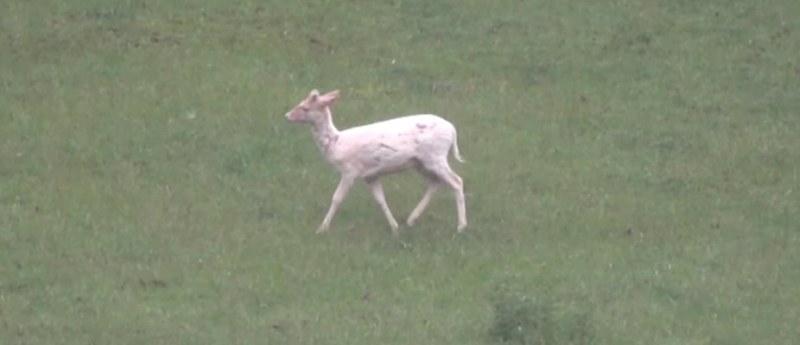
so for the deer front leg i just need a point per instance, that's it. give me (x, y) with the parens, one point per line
(338, 196)
(377, 193)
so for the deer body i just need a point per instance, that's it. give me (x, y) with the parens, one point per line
(368, 152)
(390, 146)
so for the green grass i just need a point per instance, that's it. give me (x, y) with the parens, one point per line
(632, 173)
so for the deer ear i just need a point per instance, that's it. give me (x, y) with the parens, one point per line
(328, 98)
(313, 94)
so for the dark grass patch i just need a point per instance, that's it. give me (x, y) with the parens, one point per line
(528, 319)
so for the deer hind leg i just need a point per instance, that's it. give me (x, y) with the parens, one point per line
(446, 175)
(434, 183)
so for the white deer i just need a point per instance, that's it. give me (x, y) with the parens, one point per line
(371, 151)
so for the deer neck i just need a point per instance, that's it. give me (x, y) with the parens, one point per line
(325, 133)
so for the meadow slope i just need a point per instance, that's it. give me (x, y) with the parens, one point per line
(631, 176)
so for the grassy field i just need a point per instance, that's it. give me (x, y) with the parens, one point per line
(632, 173)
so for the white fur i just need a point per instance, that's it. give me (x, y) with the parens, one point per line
(368, 152)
